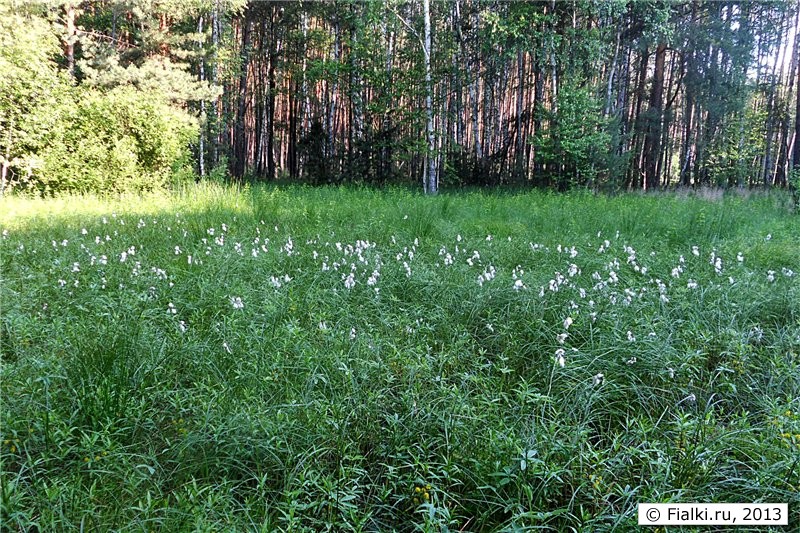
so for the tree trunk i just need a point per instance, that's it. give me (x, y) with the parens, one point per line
(240, 137)
(652, 140)
(767, 169)
(217, 126)
(271, 90)
(386, 135)
(635, 167)
(356, 82)
(6, 161)
(784, 165)
(796, 148)
(519, 152)
(201, 151)
(431, 171)
(611, 74)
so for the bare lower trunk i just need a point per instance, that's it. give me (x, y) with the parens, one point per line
(240, 134)
(611, 73)
(652, 140)
(518, 149)
(201, 151)
(431, 170)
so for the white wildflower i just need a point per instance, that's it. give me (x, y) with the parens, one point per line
(690, 399)
(560, 357)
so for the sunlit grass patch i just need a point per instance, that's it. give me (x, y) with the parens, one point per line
(303, 359)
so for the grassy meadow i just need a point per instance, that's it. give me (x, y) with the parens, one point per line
(296, 359)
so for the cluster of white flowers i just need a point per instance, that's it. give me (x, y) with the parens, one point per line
(488, 275)
(619, 273)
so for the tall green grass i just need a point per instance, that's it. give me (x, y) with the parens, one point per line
(140, 395)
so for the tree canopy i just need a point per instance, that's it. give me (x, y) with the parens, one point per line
(606, 94)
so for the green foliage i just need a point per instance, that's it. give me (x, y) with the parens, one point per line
(117, 141)
(733, 156)
(57, 137)
(578, 142)
(32, 92)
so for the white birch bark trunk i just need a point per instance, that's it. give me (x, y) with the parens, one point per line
(431, 175)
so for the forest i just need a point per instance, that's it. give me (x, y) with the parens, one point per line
(601, 94)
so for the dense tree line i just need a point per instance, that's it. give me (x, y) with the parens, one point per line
(607, 94)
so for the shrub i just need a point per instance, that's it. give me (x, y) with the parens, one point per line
(57, 137)
(121, 140)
